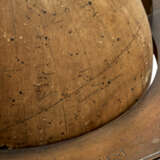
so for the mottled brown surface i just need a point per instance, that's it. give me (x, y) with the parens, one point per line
(68, 67)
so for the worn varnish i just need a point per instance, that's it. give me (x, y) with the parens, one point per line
(68, 67)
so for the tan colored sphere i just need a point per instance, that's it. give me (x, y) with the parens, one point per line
(69, 66)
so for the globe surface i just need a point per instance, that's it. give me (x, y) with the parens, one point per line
(68, 67)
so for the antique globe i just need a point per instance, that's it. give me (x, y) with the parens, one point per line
(68, 67)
